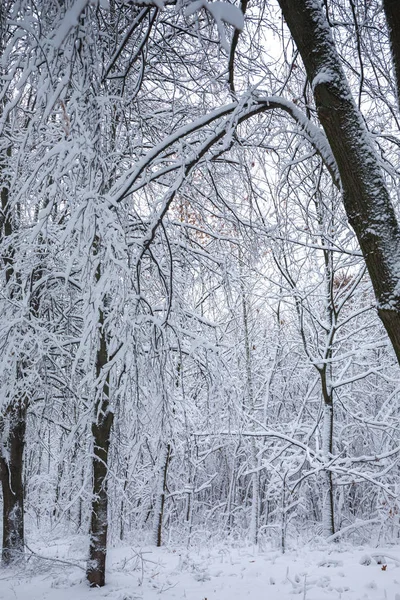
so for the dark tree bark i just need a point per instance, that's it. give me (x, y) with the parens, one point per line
(366, 198)
(392, 13)
(101, 432)
(11, 475)
(13, 417)
(160, 501)
(328, 508)
(101, 429)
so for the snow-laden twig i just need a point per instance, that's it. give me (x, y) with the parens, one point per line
(52, 559)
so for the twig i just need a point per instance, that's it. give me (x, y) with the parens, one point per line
(65, 562)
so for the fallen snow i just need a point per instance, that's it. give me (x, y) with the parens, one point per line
(216, 573)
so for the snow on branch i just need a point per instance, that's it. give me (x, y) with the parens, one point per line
(70, 21)
(242, 110)
(222, 12)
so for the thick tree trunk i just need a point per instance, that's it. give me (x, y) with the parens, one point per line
(101, 431)
(366, 198)
(11, 474)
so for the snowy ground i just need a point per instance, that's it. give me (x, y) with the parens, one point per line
(218, 573)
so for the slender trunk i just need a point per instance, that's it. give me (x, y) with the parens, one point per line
(11, 474)
(101, 432)
(80, 506)
(231, 491)
(189, 508)
(255, 487)
(160, 500)
(328, 524)
(283, 521)
(255, 500)
(122, 507)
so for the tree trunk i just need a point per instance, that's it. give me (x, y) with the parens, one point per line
(392, 13)
(366, 198)
(283, 520)
(160, 500)
(328, 514)
(101, 431)
(11, 474)
(328, 524)
(11, 461)
(255, 495)
(96, 567)
(248, 404)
